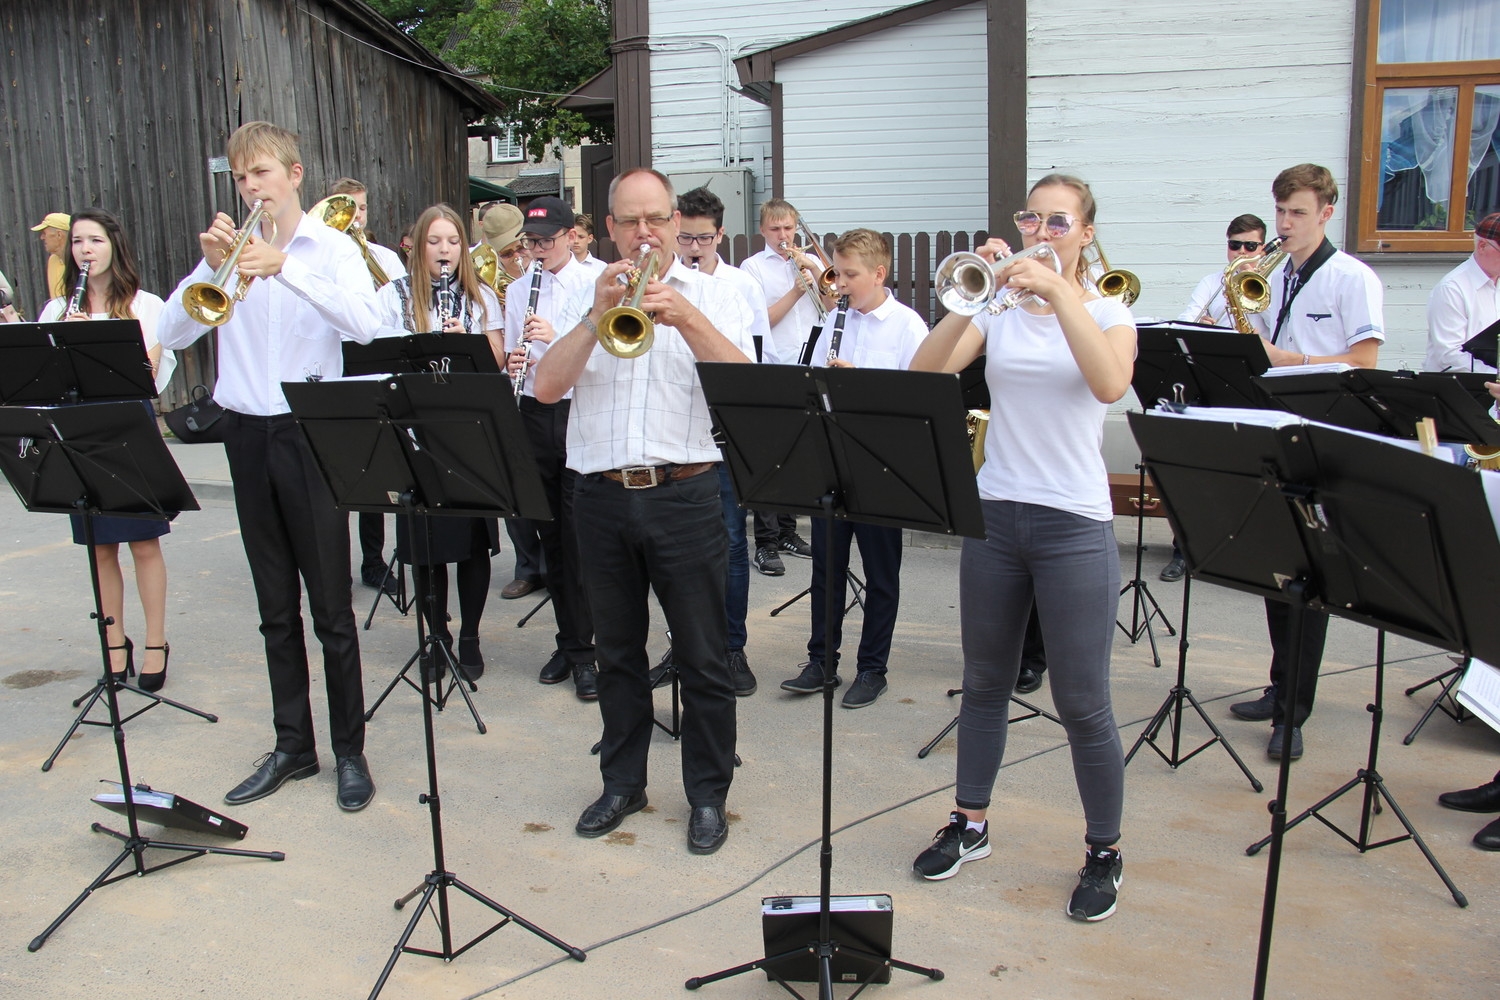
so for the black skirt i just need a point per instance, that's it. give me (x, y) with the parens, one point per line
(454, 539)
(110, 530)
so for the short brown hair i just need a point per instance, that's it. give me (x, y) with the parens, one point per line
(870, 247)
(347, 185)
(254, 139)
(1306, 177)
(1246, 223)
(776, 208)
(584, 221)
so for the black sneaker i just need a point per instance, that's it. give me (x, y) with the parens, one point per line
(1098, 885)
(868, 685)
(795, 545)
(768, 562)
(740, 675)
(810, 681)
(951, 847)
(1278, 733)
(1258, 710)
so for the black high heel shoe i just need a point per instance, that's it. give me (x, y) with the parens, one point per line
(155, 681)
(122, 675)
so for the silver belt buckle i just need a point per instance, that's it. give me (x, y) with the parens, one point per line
(626, 474)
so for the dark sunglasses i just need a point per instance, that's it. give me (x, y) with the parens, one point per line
(1251, 245)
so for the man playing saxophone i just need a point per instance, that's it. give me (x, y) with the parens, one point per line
(1247, 238)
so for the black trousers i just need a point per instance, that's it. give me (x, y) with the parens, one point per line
(670, 540)
(880, 551)
(371, 543)
(771, 528)
(291, 530)
(547, 427)
(1314, 634)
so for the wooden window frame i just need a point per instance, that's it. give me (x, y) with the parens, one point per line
(1371, 80)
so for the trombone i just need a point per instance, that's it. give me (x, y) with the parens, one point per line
(626, 331)
(337, 211)
(210, 302)
(1116, 283)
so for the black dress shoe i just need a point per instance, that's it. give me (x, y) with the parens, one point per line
(1489, 838)
(272, 770)
(469, 656)
(809, 681)
(606, 812)
(355, 787)
(1484, 799)
(556, 670)
(708, 828)
(1028, 681)
(1172, 571)
(586, 681)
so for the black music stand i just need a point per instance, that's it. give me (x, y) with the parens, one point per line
(1213, 366)
(101, 361)
(92, 459)
(879, 447)
(1332, 521)
(1143, 606)
(428, 445)
(420, 354)
(1485, 345)
(1390, 404)
(400, 599)
(111, 454)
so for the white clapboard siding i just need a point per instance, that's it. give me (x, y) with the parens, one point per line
(889, 130)
(697, 121)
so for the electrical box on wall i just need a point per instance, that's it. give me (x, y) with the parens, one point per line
(735, 188)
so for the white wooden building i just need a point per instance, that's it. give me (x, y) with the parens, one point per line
(1178, 112)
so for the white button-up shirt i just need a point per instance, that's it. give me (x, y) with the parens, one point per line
(288, 327)
(1464, 302)
(651, 411)
(777, 277)
(1341, 305)
(563, 298)
(885, 337)
(755, 298)
(1209, 296)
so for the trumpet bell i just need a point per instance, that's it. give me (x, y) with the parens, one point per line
(965, 283)
(207, 304)
(626, 332)
(1119, 284)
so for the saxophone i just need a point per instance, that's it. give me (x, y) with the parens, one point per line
(1247, 287)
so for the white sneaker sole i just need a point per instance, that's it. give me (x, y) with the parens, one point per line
(1080, 915)
(979, 853)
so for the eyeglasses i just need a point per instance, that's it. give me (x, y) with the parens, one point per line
(538, 242)
(1058, 224)
(702, 239)
(1250, 245)
(652, 221)
(508, 254)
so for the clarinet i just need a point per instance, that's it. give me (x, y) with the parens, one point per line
(75, 303)
(445, 296)
(518, 380)
(838, 330)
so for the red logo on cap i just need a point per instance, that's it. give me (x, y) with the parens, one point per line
(536, 213)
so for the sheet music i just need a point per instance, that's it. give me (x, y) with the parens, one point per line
(1281, 418)
(1323, 366)
(1479, 692)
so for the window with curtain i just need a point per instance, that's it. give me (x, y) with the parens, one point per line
(1431, 157)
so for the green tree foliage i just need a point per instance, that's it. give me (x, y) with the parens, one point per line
(527, 52)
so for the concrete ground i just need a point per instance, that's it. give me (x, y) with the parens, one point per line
(320, 924)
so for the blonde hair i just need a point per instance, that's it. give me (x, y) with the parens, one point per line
(870, 247)
(1085, 204)
(254, 139)
(347, 185)
(776, 208)
(420, 308)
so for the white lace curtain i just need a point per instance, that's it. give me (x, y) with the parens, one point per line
(1438, 30)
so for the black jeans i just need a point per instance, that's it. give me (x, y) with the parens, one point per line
(290, 529)
(1314, 634)
(771, 528)
(547, 428)
(880, 551)
(670, 540)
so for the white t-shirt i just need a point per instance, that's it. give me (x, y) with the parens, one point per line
(1464, 302)
(1209, 295)
(885, 337)
(1046, 428)
(777, 277)
(147, 309)
(1340, 306)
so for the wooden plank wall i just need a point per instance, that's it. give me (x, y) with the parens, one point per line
(120, 105)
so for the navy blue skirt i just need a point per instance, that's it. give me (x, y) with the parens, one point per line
(114, 530)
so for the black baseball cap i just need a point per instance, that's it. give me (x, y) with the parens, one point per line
(547, 216)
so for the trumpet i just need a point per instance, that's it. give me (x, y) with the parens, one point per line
(75, 303)
(1116, 283)
(337, 211)
(626, 331)
(210, 302)
(1246, 285)
(968, 284)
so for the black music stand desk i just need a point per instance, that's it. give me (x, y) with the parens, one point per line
(1330, 520)
(1390, 404)
(420, 353)
(101, 361)
(1213, 366)
(867, 445)
(428, 446)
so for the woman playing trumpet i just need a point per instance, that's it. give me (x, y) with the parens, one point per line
(443, 294)
(104, 276)
(1055, 363)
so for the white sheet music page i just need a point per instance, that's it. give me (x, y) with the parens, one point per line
(1479, 692)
